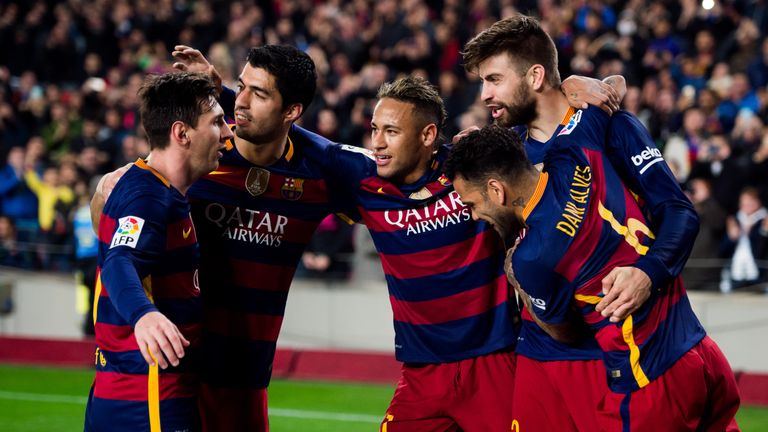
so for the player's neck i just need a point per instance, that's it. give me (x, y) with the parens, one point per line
(174, 168)
(522, 194)
(550, 108)
(262, 154)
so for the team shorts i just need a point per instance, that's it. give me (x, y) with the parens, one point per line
(233, 409)
(472, 395)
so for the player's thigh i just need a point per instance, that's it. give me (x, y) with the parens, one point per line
(436, 424)
(723, 393)
(224, 409)
(537, 404)
(675, 401)
(487, 390)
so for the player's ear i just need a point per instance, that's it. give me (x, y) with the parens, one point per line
(496, 192)
(536, 77)
(294, 112)
(429, 135)
(179, 133)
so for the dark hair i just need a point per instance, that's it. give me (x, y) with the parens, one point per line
(492, 151)
(422, 95)
(171, 97)
(523, 39)
(294, 72)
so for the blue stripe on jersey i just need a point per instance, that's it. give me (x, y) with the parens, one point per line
(132, 362)
(130, 416)
(181, 312)
(480, 334)
(444, 284)
(391, 243)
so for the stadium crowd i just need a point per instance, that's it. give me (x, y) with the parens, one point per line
(70, 70)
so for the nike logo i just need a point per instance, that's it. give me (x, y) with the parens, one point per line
(380, 190)
(219, 172)
(186, 232)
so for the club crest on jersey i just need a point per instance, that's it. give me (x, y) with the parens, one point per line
(128, 232)
(444, 180)
(572, 123)
(257, 181)
(292, 188)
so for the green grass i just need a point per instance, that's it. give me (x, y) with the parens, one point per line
(34, 399)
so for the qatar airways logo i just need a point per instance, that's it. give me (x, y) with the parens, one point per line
(447, 211)
(246, 225)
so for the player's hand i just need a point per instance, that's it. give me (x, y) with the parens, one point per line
(583, 91)
(103, 190)
(192, 60)
(625, 289)
(462, 134)
(159, 339)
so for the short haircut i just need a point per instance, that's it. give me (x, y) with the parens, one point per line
(492, 151)
(294, 72)
(424, 97)
(172, 97)
(522, 38)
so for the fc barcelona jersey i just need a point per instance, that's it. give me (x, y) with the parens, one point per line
(583, 222)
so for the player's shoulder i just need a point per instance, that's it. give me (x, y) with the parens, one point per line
(141, 188)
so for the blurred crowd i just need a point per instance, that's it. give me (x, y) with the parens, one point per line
(69, 72)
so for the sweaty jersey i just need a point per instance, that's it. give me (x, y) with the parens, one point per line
(253, 225)
(148, 261)
(449, 295)
(632, 154)
(583, 222)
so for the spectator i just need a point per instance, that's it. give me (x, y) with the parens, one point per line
(9, 252)
(746, 241)
(702, 272)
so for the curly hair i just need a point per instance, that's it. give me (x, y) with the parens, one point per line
(294, 72)
(522, 38)
(492, 151)
(171, 97)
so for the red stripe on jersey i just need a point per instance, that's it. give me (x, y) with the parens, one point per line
(180, 234)
(441, 260)
(380, 186)
(279, 187)
(115, 338)
(134, 387)
(261, 276)
(659, 312)
(177, 285)
(107, 227)
(231, 323)
(462, 305)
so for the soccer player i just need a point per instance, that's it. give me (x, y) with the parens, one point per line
(517, 62)
(273, 173)
(663, 372)
(147, 309)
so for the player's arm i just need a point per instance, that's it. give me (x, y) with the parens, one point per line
(103, 189)
(583, 91)
(192, 60)
(633, 154)
(130, 258)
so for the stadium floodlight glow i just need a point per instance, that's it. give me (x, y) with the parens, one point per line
(707, 4)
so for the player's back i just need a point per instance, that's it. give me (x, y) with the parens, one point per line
(585, 224)
(145, 228)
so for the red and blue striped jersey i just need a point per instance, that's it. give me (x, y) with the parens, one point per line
(148, 261)
(583, 222)
(253, 225)
(628, 147)
(449, 295)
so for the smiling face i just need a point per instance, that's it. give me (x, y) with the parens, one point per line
(208, 139)
(505, 92)
(402, 141)
(259, 112)
(484, 207)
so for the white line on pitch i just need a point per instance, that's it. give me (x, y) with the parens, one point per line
(276, 412)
